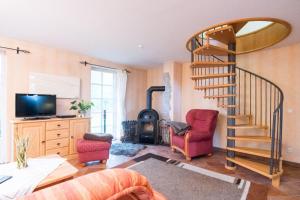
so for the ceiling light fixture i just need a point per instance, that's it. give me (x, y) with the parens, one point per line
(140, 46)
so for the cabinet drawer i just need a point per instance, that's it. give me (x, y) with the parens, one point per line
(60, 151)
(57, 125)
(53, 144)
(57, 134)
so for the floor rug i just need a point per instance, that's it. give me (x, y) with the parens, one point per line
(126, 149)
(178, 181)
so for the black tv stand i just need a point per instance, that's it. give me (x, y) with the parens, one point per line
(37, 118)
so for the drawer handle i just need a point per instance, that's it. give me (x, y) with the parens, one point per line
(43, 141)
(58, 134)
(58, 144)
(72, 137)
(58, 125)
(58, 153)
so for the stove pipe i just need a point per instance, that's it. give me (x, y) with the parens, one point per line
(149, 94)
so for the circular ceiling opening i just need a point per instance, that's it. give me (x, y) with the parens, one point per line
(253, 26)
(252, 34)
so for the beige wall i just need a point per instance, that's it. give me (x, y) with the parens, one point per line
(155, 77)
(280, 65)
(49, 60)
(136, 92)
(194, 99)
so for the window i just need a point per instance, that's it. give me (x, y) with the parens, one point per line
(103, 95)
(1, 89)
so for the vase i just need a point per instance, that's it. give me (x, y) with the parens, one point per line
(81, 114)
(21, 152)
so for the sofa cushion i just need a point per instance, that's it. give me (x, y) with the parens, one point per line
(109, 184)
(98, 137)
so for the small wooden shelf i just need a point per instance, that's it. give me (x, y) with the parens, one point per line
(252, 151)
(208, 49)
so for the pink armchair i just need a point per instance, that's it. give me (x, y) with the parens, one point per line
(199, 139)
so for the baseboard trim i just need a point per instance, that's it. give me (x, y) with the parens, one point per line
(289, 163)
(219, 149)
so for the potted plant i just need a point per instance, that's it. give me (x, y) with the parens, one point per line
(81, 106)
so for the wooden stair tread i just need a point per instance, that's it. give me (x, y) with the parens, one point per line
(225, 34)
(206, 64)
(238, 26)
(208, 49)
(252, 151)
(221, 96)
(238, 116)
(207, 76)
(213, 86)
(257, 167)
(251, 138)
(247, 126)
(227, 106)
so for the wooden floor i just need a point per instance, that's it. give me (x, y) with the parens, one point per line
(288, 190)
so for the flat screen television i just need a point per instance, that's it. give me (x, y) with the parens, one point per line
(35, 105)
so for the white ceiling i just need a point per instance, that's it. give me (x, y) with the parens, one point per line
(112, 29)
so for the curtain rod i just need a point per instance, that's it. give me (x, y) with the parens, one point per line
(87, 63)
(18, 50)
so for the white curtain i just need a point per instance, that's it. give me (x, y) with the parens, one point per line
(3, 110)
(121, 84)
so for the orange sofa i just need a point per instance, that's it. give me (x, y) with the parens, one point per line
(110, 184)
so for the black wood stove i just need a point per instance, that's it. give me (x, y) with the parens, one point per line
(147, 127)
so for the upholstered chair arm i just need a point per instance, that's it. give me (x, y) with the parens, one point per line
(172, 133)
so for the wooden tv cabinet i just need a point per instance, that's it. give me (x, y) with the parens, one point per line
(51, 136)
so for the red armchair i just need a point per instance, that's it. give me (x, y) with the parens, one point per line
(199, 139)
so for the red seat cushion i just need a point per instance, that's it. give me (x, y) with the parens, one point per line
(198, 136)
(91, 146)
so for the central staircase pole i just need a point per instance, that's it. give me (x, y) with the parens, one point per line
(231, 111)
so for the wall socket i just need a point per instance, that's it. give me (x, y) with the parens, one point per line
(289, 150)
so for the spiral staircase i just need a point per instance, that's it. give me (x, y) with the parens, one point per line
(254, 104)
